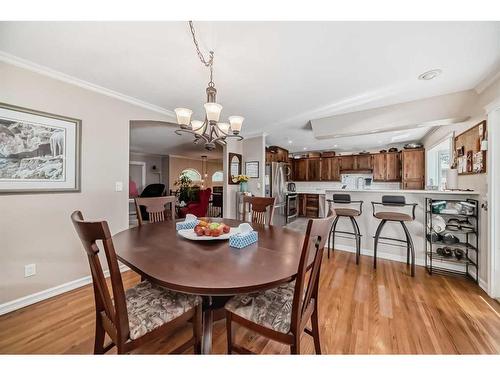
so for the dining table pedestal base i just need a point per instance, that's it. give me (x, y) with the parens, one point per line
(213, 306)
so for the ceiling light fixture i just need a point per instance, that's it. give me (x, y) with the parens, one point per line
(431, 74)
(210, 131)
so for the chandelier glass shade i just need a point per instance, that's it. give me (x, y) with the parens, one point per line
(210, 131)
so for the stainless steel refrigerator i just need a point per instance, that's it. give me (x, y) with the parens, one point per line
(277, 175)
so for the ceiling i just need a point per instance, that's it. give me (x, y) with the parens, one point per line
(278, 75)
(157, 137)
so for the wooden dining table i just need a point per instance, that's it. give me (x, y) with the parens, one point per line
(211, 268)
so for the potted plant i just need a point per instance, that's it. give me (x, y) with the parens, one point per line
(243, 180)
(184, 184)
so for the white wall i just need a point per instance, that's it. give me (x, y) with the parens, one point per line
(36, 228)
(236, 147)
(150, 160)
(254, 149)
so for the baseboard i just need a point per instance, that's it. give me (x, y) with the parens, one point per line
(51, 292)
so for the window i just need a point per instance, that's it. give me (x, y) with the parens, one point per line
(438, 162)
(218, 176)
(193, 174)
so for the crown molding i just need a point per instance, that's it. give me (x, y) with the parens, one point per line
(487, 82)
(40, 69)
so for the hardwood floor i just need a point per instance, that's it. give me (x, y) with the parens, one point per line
(361, 312)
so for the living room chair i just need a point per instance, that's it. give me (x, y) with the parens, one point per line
(200, 208)
(137, 315)
(281, 313)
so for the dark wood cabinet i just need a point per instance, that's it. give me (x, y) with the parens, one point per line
(413, 162)
(300, 169)
(309, 205)
(379, 167)
(276, 154)
(314, 169)
(347, 163)
(330, 169)
(362, 162)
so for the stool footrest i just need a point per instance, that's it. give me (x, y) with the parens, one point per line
(391, 239)
(351, 233)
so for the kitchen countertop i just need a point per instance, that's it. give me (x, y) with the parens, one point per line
(400, 191)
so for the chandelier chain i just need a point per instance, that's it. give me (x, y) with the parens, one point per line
(208, 63)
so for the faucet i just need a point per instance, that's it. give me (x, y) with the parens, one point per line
(362, 183)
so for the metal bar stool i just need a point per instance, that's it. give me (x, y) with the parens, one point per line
(395, 201)
(345, 212)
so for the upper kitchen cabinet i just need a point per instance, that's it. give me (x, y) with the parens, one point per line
(347, 163)
(386, 166)
(313, 169)
(413, 169)
(299, 169)
(393, 166)
(379, 167)
(276, 154)
(330, 169)
(363, 162)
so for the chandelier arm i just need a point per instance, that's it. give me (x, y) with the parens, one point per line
(197, 136)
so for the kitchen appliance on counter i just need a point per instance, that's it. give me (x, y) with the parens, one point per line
(277, 176)
(291, 187)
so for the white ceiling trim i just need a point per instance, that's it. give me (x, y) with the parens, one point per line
(487, 82)
(34, 67)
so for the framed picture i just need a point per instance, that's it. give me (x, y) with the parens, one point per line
(252, 169)
(39, 152)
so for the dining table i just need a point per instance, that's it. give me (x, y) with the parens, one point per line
(210, 267)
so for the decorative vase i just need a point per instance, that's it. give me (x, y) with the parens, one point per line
(243, 186)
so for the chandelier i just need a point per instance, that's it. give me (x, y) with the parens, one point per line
(210, 131)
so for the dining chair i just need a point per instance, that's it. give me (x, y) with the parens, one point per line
(258, 208)
(281, 313)
(137, 315)
(155, 208)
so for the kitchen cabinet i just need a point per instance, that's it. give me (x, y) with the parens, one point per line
(347, 163)
(300, 169)
(379, 167)
(386, 167)
(330, 169)
(314, 169)
(393, 166)
(276, 154)
(413, 162)
(309, 205)
(363, 162)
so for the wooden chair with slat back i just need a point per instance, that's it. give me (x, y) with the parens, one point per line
(282, 313)
(258, 208)
(155, 208)
(139, 314)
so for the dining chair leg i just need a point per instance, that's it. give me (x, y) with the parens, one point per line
(377, 234)
(229, 332)
(295, 348)
(315, 330)
(99, 335)
(197, 329)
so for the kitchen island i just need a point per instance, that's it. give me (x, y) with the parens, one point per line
(368, 224)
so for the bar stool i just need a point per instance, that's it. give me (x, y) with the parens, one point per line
(345, 212)
(384, 216)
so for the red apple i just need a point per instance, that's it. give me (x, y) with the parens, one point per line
(226, 228)
(207, 231)
(216, 232)
(199, 230)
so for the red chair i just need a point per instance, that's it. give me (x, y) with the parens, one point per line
(199, 208)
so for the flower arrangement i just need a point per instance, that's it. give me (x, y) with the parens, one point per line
(242, 178)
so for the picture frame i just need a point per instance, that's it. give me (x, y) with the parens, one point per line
(252, 169)
(40, 152)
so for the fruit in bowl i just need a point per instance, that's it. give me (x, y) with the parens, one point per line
(211, 229)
